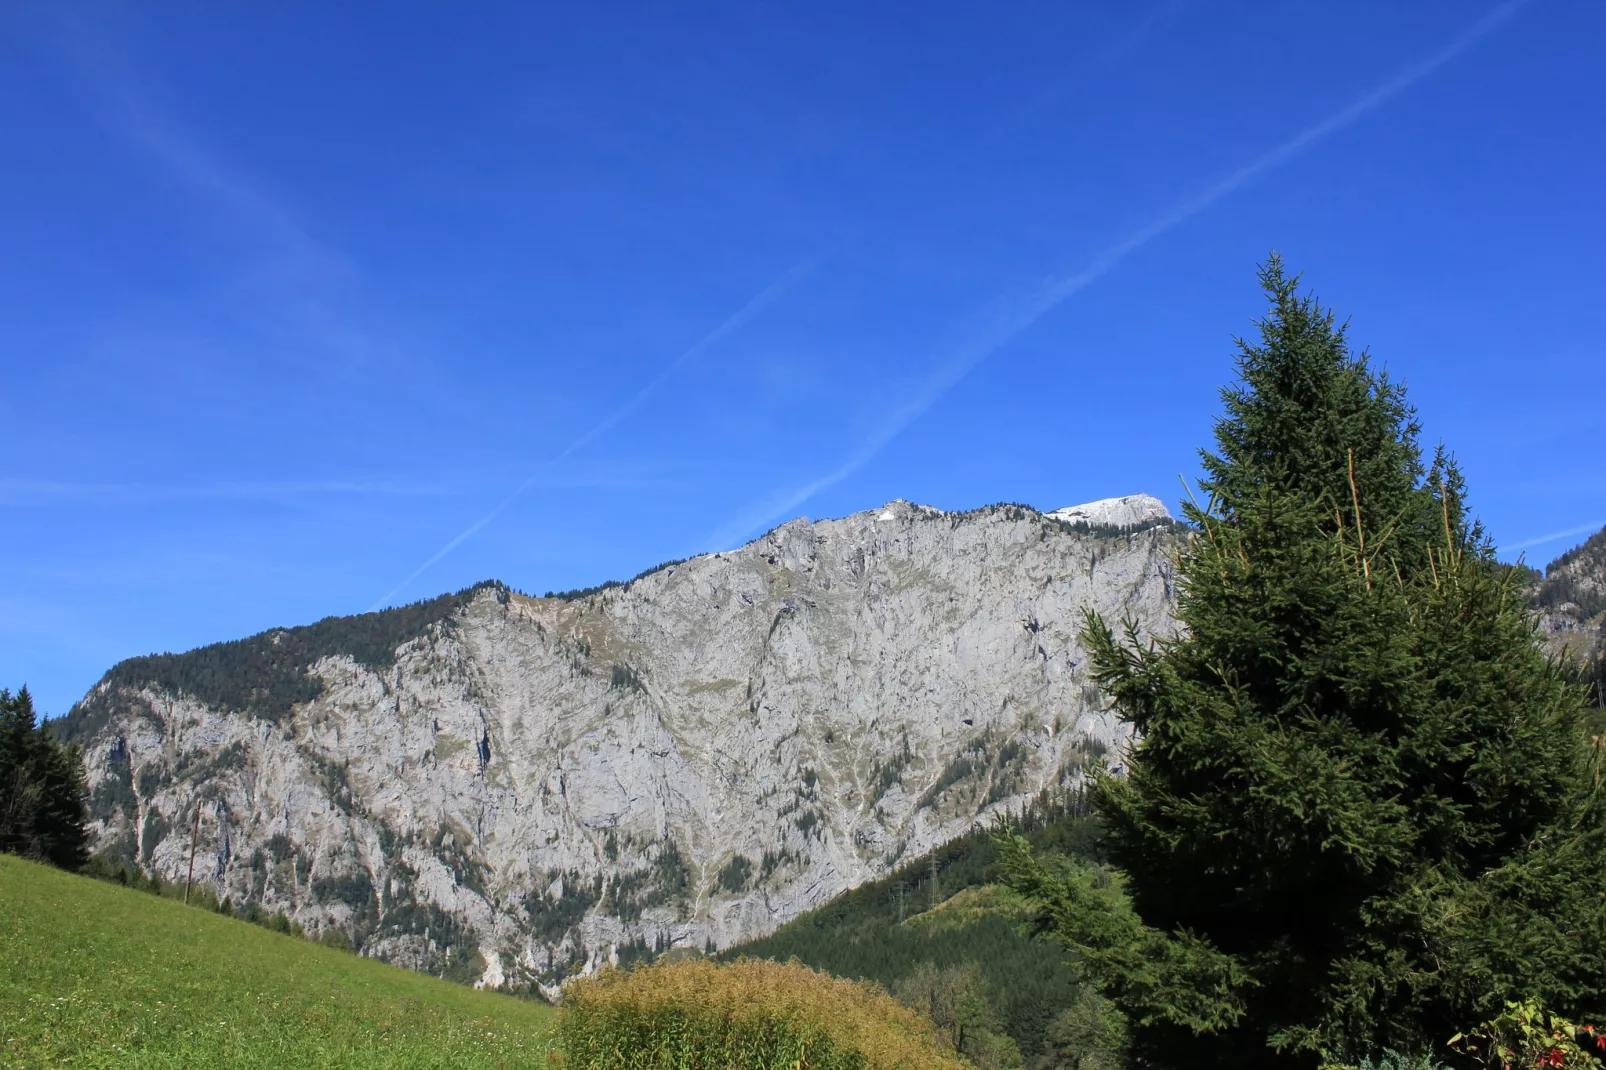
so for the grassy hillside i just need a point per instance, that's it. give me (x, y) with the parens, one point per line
(97, 975)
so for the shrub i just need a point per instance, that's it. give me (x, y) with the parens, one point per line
(333, 937)
(1527, 1036)
(1389, 1059)
(957, 1000)
(750, 1013)
(1090, 1034)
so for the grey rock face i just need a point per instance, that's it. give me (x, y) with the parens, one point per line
(687, 760)
(1571, 602)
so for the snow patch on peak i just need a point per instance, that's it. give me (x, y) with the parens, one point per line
(1130, 511)
(899, 507)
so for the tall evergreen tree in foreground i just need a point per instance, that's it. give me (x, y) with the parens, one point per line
(1362, 811)
(42, 805)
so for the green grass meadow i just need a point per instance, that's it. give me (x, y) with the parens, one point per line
(97, 975)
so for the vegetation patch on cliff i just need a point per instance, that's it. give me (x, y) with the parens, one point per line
(266, 675)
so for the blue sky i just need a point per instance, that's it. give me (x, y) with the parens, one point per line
(293, 298)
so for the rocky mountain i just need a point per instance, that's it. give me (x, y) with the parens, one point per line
(1571, 599)
(515, 788)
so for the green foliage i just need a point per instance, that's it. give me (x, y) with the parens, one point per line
(42, 794)
(989, 772)
(889, 773)
(672, 873)
(1156, 977)
(115, 792)
(608, 585)
(962, 767)
(118, 871)
(451, 844)
(1389, 1059)
(1111, 531)
(1526, 1036)
(1361, 811)
(627, 894)
(552, 916)
(624, 677)
(265, 675)
(99, 976)
(959, 1002)
(114, 870)
(450, 947)
(462, 965)
(886, 930)
(334, 938)
(734, 875)
(1592, 679)
(1091, 1035)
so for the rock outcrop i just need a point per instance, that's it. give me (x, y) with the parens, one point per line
(1571, 601)
(527, 787)
(1134, 510)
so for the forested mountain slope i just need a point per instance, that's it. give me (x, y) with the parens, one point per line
(944, 914)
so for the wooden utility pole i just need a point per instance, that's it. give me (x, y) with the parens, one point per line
(195, 834)
(933, 880)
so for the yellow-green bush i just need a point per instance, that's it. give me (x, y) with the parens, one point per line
(746, 1015)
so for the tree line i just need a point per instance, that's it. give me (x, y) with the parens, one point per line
(43, 802)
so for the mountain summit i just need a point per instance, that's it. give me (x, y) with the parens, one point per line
(1134, 510)
(687, 759)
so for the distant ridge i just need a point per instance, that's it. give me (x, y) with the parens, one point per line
(683, 759)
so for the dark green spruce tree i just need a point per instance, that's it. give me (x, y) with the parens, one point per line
(42, 798)
(1362, 811)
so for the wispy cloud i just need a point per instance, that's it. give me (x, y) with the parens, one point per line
(728, 327)
(1035, 306)
(736, 322)
(46, 492)
(1556, 536)
(39, 491)
(276, 275)
(292, 248)
(128, 105)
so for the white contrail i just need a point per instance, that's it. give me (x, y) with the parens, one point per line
(30, 490)
(1586, 529)
(733, 323)
(1058, 290)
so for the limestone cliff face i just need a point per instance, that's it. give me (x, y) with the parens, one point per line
(1570, 599)
(688, 759)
